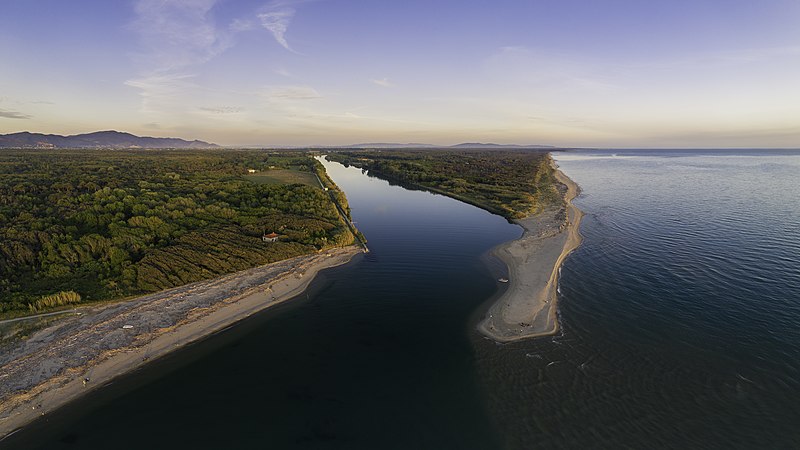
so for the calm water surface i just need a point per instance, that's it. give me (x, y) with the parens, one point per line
(680, 328)
(680, 312)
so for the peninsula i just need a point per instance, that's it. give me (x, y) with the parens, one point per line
(528, 308)
(525, 187)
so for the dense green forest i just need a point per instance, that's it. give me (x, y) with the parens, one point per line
(78, 226)
(513, 184)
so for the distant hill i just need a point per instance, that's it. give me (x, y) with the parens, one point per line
(466, 145)
(389, 145)
(498, 146)
(100, 139)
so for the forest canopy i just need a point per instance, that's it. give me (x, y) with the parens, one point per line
(81, 226)
(513, 184)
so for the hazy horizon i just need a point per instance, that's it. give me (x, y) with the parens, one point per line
(423, 145)
(611, 74)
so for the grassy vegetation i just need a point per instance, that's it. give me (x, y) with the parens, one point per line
(284, 176)
(83, 226)
(513, 184)
(62, 298)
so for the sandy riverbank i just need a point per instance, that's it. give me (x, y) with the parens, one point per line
(528, 307)
(48, 369)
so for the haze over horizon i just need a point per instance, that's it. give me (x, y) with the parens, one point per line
(575, 73)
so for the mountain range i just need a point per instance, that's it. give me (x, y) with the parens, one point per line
(120, 140)
(100, 139)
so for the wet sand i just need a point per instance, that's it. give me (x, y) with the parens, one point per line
(528, 307)
(90, 348)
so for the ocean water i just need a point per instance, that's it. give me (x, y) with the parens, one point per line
(680, 312)
(680, 318)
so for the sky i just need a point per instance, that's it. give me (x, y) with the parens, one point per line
(575, 73)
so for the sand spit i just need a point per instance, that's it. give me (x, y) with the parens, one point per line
(82, 352)
(528, 307)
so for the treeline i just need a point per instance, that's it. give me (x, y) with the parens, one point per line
(513, 184)
(79, 226)
(332, 188)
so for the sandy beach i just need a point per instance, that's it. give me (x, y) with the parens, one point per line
(528, 307)
(90, 347)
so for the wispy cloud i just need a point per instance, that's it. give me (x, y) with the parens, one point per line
(521, 66)
(179, 36)
(177, 33)
(291, 93)
(161, 89)
(6, 114)
(283, 72)
(176, 37)
(222, 109)
(384, 82)
(277, 22)
(276, 17)
(239, 25)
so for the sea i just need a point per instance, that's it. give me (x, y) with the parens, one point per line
(679, 314)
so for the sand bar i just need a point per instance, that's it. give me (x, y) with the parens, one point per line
(50, 368)
(528, 307)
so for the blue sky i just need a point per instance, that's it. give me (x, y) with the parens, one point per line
(608, 73)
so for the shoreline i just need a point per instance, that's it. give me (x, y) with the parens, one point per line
(528, 307)
(48, 371)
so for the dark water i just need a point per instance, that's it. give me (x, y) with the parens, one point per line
(680, 329)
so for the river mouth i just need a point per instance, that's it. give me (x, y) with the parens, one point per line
(679, 328)
(379, 347)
